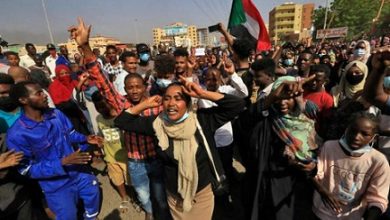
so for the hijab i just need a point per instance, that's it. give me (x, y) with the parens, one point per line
(62, 87)
(345, 89)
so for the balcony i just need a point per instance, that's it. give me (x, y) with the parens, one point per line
(284, 22)
(285, 15)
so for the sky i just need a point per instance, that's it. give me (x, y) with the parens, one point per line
(23, 21)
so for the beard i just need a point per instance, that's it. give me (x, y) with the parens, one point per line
(7, 104)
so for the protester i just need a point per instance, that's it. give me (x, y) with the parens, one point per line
(27, 60)
(13, 58)
(45, 136)
(61, 90)
(114, 66)
(353, 179)
(9, 110)
(114, 152)
(51, 59)
(38, 64)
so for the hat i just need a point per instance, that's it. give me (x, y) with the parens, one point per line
(50, 46)
(142, 48)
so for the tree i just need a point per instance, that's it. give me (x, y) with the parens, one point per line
(357, 15)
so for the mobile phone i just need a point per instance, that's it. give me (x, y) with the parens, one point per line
(213, 28)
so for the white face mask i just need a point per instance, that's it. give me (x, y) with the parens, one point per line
(358, 152)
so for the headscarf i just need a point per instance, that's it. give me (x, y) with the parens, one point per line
(346, 90)
(185, 147)
(62, 87)
(295, 129)
(364, 58)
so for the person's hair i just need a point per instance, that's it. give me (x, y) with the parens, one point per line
(365, 115)
(164, 64)
(126, 54)
(11, 53)
(28, 45)
(325, 57)
(242, 47)
(38, 76)
(108, 47)
(97, 97)
(180, 52)
(307, 51)
(6, 79)
(184, 96)
(266, 64)
(19, 90)
(320, 68)
(134, 75)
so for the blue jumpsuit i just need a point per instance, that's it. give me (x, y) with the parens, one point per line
(44, 144)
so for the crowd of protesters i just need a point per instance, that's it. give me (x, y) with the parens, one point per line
(301, 131)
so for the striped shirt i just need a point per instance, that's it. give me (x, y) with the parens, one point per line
(141, 147)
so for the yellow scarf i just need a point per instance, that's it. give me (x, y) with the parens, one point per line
(185, 147)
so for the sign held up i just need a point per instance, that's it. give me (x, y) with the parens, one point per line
(332, 32)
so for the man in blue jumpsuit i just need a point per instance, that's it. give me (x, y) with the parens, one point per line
(53, 154)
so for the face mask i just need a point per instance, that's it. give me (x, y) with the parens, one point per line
(288, 62)
(321, 54)
(163, 83)
(354, 79)
(184, 117)
(386, 82)
(359, 52)
(144, 57)
(358, 152)
(65, 78)
(7, 104)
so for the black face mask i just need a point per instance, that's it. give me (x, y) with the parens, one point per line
(7, 104)
(354, 79)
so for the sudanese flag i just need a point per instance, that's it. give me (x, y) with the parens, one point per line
(245, 21)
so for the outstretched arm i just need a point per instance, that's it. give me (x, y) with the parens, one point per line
(373, 90)
(80, 34)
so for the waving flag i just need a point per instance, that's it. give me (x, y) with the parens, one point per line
(245, 22)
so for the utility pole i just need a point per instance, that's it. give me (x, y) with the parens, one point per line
(47, 21)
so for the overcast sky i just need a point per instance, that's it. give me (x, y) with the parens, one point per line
(23, 21)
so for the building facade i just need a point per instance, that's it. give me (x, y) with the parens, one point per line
(99, 42)
(290, 20)
(177, 34)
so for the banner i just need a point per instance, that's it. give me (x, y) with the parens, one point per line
(332, 32)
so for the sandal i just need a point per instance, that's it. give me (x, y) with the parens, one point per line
(124, 206)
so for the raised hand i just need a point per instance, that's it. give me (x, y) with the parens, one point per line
(76, 157)
(10, 158)
(80, 33)
(153, 101)
(229, 67)
(191, 62)
(381, 57)
(190, 88)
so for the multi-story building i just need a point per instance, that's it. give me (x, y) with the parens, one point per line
(203, 37)
(177, 34)
(99, 42)
(290, 19)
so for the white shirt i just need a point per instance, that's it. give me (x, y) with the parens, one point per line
(51, 64)
(224, 135)
(119, 82)
(26, 61)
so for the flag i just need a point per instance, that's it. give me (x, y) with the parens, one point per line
(245, 21)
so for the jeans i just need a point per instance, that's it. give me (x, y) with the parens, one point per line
(147, 180)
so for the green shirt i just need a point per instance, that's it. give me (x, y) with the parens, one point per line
(113, 140)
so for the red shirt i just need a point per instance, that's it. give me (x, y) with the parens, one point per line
(323, 100)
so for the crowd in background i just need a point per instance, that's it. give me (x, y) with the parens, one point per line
(301, 131)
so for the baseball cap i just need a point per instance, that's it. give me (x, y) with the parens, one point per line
(50, 46)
